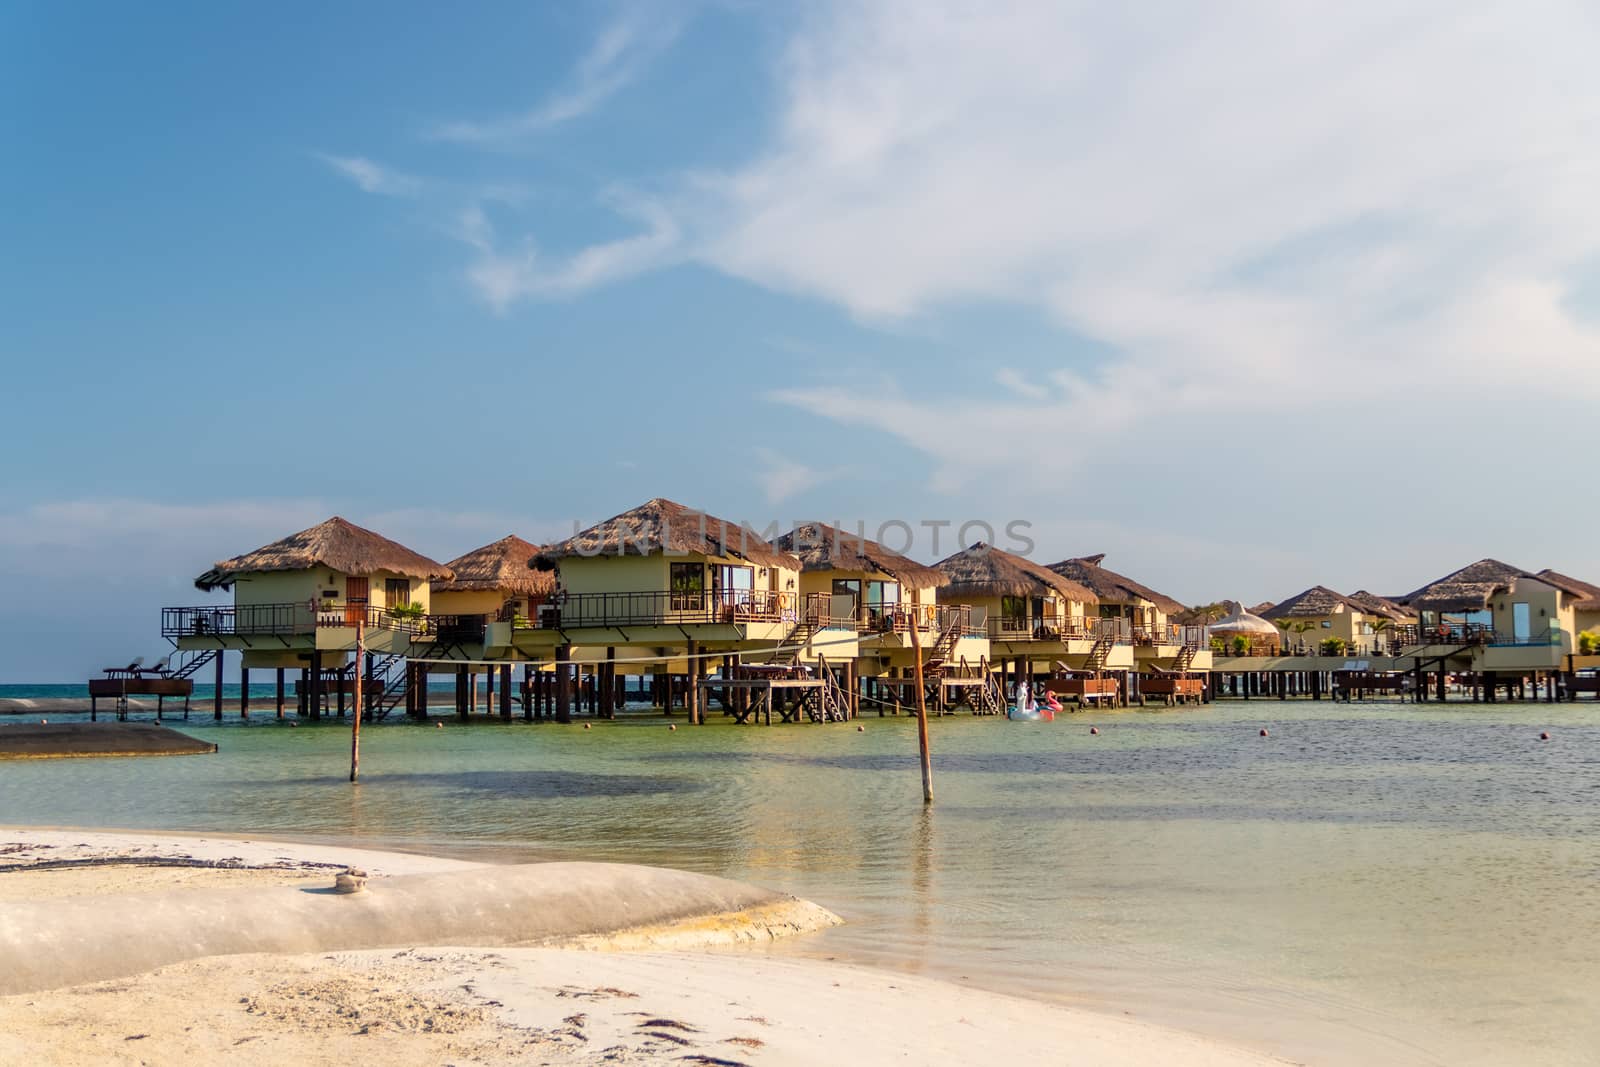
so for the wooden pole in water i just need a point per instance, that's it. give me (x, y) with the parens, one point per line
(355, 719)
(922, 720)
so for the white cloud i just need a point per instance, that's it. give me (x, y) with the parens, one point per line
(783, 476)
(622, 52)
(373, 177)
(502, 276)
(1253, 207)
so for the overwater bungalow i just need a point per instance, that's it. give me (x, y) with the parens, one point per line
(1039, 624)
(1146, 612)
(886, 596)
(1170, 656)
(1322, 621)
(490, 584)
(1500, 623)
(297, 603)
(701, 592)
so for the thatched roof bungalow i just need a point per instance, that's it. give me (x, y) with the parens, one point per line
(1120, 596)
(1320, 615)
(1015, 594)
(1512, 604)
(490, 578)
(668, 554)
(334, 560)
(883, 590)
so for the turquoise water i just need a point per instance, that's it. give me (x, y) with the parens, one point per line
(1371, 883)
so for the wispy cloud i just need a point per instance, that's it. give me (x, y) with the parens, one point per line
(1252, 220)
(622, 52)
(503, 274)
(783, 476)
(373, 177)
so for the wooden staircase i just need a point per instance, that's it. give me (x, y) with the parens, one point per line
(193, 662)
(1100, 653)
(388, 686)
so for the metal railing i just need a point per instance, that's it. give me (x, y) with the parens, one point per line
(1457, 634)
(279, 620)
(662, 608)
(899, 618)
(961, 620)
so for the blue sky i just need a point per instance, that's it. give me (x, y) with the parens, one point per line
(1248, 299)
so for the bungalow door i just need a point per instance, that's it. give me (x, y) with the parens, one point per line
(355, 600)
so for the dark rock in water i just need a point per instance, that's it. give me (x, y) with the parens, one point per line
(58, 740)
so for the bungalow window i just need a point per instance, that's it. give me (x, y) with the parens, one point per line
(882, 599)
(688, 586)
(397, 592)
(843, 588)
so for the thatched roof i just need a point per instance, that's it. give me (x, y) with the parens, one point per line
(1263, 609)
(500, 568)
(1315, 602)
(1587, 593)
(1109, 586)
(668, 527)
(1381, 606)
(1240, 621)
(821, 547)
(1472, 587)
(985, 571)
(336, 544)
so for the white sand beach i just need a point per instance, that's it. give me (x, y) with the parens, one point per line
(619, 982)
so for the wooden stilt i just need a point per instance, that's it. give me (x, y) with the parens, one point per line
(244, 692)
(216, 700)
(280, 692)
(527, 692)
(563, 686)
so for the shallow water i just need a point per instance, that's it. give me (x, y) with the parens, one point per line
(1371, 883)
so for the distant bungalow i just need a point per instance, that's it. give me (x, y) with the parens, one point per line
(886, 596)
(665, 576)
(1147, 620)
(1320, 618)
(297, 603)
(1036, 620)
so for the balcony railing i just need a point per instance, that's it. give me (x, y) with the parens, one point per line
(1457, 634)
(961, 620)
(658, 608)
(898, 618)
(279, 620)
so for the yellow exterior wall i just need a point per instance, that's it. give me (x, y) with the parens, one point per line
(1544, 610)
(644, 574)
(302, 587)
(473, 602)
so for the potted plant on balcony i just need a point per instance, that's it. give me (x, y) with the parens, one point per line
(1333, 646)
(406, 612)
(1589, 643)
(1241, 645)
